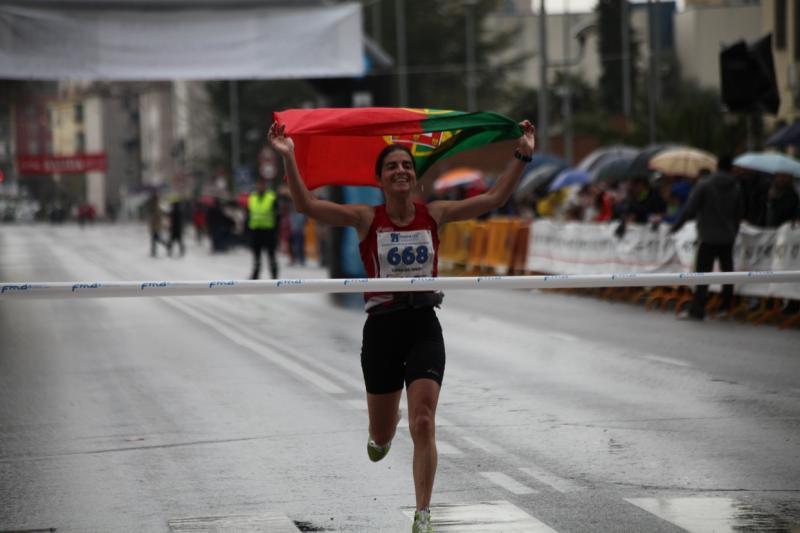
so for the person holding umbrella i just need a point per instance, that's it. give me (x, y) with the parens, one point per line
(718, 206)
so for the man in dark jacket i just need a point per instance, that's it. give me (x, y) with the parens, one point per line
(782, 201)
(718, 206)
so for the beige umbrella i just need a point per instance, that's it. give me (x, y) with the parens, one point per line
(683, 162)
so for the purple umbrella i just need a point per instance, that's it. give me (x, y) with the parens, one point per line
(569, 177)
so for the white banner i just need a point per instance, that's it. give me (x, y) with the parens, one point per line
(583, 248)
(212, 41)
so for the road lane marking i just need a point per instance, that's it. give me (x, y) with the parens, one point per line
(665, 360)
(508, 483)
(272, 522)
(562, 337)
(488, 516)
(559, 483)
(485, 445)
(707, 515)
(274, 357)
(445, 448)
(290, 350)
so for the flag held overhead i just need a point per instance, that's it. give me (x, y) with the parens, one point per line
(338, 146)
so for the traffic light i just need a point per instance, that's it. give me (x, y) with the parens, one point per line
(747, 75)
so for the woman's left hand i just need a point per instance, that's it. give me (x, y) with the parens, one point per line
(527, 143)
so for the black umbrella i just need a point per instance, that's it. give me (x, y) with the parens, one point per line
(613, 170)
(537, 180)
(788, 136)
(639, 167)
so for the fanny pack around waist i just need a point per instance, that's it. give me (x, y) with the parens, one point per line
(409, 300)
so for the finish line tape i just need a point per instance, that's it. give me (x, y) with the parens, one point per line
(140, 289)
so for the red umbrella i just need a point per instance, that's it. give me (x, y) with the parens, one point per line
(457, 177)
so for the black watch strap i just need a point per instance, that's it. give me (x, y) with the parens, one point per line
(521, 157)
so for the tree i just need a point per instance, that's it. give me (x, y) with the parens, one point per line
(437, 54)
(258, 99)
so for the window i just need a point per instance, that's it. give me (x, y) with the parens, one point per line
(780, 24)
(80, 143)
(79, 113)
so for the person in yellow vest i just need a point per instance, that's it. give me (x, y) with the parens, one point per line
(262, 221)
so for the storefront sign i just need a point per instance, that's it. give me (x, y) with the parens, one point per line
(63, 164)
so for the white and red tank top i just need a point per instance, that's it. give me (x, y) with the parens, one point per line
(392, 251)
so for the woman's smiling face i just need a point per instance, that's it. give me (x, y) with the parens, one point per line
(397, 172)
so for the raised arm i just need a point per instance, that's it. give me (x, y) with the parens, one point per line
(450, 210)
(356, 215)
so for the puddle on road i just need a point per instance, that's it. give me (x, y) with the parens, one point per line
(713, 515)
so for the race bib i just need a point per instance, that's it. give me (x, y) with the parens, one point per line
(405, 254)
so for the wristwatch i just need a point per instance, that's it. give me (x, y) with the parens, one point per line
(521, 157)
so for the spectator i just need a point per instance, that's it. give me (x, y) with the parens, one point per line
(154, 222)
(199, 221)
(643, 203)
(755, 189)
(717, 204)
(297, 239)
(782, 201)
(176, 228)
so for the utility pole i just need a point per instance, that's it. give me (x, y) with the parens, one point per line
(402, 73)
(626, 60)
(651, 90)
(233, 94)
(541, 127)
(469, 14)
(566, 102)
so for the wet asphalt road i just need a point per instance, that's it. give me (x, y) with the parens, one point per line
(559, 413)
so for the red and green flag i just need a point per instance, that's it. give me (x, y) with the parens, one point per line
(338, 146)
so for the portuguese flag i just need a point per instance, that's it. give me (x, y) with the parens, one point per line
(338, 146)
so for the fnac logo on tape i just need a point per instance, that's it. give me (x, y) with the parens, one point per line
(284, 282)
(22, 287)
(154, 285)
(221, 283)
(79, 286)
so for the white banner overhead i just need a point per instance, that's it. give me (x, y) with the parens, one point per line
(103, 40)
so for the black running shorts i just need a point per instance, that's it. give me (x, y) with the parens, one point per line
(401, 346)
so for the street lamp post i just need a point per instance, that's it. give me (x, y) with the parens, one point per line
(402, 74)
(541, 126)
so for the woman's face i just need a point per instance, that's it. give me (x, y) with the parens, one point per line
(397, 173)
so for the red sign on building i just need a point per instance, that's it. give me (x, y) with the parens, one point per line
(63, 164)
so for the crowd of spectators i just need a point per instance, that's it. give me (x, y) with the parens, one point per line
(770, 201)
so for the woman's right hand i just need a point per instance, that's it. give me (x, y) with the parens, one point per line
(278, 139)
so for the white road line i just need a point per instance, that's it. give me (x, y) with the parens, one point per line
(699, 515)
(500, 516)
(272, 522)
(445, 448)
(508, 483)
(295, 353)
(359, 404)
(548, 478)
(281, 360)
(562, 337)
(665, 360)
(485, 445)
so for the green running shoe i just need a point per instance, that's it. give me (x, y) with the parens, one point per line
(422, 522)
(377, 452)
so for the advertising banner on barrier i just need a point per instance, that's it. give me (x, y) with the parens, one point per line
(579, 248)
(590, 248)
